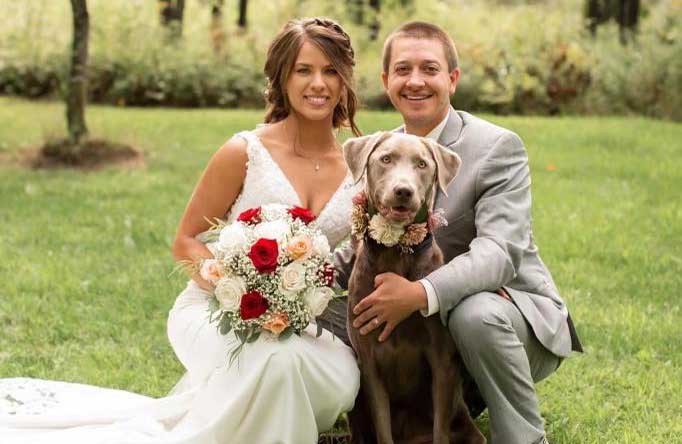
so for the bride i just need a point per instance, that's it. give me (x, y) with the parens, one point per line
(278, 391)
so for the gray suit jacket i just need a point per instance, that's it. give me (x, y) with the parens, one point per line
(488, 243)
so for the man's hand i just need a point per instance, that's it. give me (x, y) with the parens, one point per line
(394, 299)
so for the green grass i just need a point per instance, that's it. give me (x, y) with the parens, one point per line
(85, 257)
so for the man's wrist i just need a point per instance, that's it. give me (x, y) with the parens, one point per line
(422, 300)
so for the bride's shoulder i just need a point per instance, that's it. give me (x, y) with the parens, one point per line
(231, 153)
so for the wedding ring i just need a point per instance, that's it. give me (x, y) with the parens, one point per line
(376, 321)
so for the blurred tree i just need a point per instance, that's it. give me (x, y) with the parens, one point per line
(241, 21)
(356, 9)
(172, 12)
(375, 26)
(78, 79)
(217, 29)
(625, 12)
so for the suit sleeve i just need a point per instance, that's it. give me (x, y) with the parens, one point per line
(502, 219)
(343, 262)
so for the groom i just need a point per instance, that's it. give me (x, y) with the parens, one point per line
(494, 293)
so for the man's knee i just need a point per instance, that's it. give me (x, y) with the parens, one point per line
(471, 321)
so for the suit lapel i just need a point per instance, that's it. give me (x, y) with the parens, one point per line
(452, 129)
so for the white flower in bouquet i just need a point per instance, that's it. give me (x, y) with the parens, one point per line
(274, 211)
(317, 299)
(293, 280)
(229, 292)
(321, 246)
(232, 238)
(383, 231)
(276, 229)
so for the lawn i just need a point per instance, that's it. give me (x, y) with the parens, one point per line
(85, 260)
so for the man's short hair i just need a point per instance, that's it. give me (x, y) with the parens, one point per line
(422, 30)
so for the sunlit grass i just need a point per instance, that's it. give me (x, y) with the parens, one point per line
(85, 257)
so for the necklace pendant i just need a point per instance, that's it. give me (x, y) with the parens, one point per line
(317, 167)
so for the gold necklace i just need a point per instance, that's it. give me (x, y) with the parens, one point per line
(315, 161)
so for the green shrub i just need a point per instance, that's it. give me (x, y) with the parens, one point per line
(516, 57)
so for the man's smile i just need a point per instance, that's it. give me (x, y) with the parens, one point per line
(416, 97)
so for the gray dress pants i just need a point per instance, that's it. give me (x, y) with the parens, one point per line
(505, 359)
(501, 354)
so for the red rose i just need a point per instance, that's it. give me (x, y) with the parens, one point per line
(250, 216)
(253, 305)
(304, 214)
(264, 254)
(328, 274)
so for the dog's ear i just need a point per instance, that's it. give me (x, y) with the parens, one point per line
(447, 163)
(357, 150)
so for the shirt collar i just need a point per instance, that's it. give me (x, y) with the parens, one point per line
(435, 133)
(438, 130)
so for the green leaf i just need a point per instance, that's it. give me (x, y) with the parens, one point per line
(422, 215)
(286, 333)
(225, 325)
(253, 336)
(213, 305)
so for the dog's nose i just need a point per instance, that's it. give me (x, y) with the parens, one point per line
(403, 193)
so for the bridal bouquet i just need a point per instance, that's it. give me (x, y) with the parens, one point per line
(271, 270)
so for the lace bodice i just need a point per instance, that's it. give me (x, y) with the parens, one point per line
(265, 183)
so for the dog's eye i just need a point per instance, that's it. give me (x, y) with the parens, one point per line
(386, 159)
(421, 164)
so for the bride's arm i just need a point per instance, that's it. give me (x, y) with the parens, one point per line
(215, 193)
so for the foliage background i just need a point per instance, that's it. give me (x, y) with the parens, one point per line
(516, 56)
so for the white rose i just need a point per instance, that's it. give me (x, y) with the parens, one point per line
(293, 280)
(321, 245)
(382, 231)
(317, 299)
(229, 292)
(277, 230)
(232, 237)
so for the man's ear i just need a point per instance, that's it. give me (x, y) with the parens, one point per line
(357, 150)
(454, 79)
(447, 163)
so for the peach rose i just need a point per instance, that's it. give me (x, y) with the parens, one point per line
(211, 271)
(300, 247)
(277, 323)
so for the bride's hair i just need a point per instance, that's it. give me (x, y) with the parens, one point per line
(333, 41)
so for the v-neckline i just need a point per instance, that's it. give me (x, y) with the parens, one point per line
(291, 185)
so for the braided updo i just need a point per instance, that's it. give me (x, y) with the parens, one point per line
(333, 41)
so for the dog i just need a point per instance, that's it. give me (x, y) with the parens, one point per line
(411, 385)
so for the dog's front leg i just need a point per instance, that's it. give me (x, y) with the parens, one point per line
(379, 403)
(443, 392)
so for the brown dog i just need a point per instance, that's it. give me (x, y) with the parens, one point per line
(411, 385)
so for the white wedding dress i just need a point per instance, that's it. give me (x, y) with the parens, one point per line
(279, 391)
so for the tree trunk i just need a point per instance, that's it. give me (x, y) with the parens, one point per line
(593, 15)
(357, 11)
(217, 29)
(375, 26)
(172, 12)
(78, 77)
(624, 12)
(628, 16)
(243, 5)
